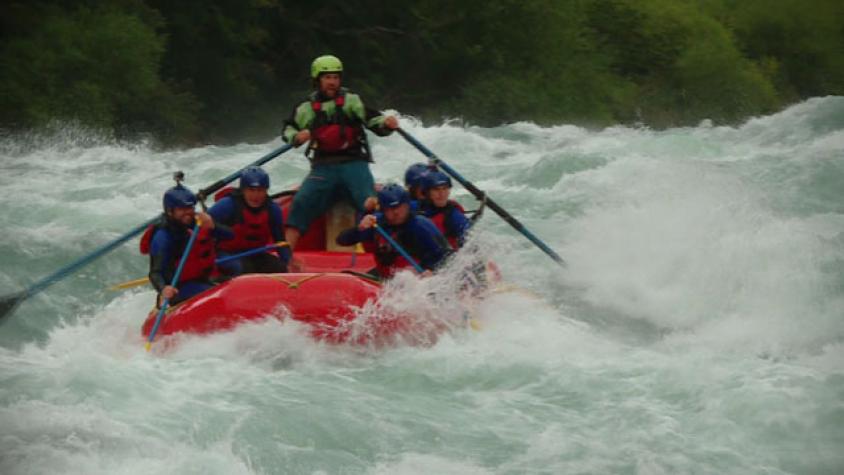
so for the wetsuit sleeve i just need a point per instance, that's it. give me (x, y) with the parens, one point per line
(159, 257)
(222, 212)
(431, 244)
(375, 122)
(352, 236)
(371, 118)
(299, 119)
(348, 237)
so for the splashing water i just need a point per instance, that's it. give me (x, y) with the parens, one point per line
(696, 329)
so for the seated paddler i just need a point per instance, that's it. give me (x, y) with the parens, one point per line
(416, 234)
(447, 214)
(166, 241)
(257, 223)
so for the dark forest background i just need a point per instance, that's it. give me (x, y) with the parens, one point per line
(191, 72)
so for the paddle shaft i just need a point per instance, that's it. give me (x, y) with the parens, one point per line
(480, 195)
(203, 193)
(399, 248)
(250, 252)
(69, 269)
(174, 283)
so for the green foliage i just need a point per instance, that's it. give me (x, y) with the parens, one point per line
(226, 70)
(802, 43)
(95, 65)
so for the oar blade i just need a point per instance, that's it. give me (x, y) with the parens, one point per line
(9, 303)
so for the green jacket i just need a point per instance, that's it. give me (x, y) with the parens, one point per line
(356, 115)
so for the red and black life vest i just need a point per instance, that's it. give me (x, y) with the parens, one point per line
(335, 133)
(251, 226)
(200, 262)
(388, 261)
(440, 217)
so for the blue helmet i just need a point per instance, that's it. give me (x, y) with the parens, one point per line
(254, 177)
(179, 197)
(392, 195)
(434, 179)
(413, 175)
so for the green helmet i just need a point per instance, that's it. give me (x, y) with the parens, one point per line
(326, 64)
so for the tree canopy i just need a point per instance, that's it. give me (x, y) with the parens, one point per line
(218, 71)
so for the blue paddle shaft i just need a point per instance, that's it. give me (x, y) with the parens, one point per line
(85, 260)
(401, 250)
(203, 193)
(250, 252)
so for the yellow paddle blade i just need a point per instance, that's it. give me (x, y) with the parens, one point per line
(130, 283)
(476, 325)
(148, 346)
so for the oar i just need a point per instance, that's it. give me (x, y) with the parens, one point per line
(8, 303)
(174, 283)
(145, 280)
(130, 283)
(482, 196)
(203, 193)
(398, 247)
(250, 252)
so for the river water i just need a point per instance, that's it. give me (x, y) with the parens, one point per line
(698, 326)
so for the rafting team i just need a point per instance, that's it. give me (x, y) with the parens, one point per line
(420, 217)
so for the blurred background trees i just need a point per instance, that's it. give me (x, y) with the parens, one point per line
(219, 71)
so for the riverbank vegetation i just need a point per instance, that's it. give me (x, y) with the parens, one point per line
(219, 71)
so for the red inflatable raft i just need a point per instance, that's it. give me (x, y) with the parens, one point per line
(327, 295)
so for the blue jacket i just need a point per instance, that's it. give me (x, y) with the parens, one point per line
(168, 241)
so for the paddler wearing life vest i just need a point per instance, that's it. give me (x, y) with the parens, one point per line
(256, 221)
(416, 234)
(446, 214)
(332, 121)
(165, 242)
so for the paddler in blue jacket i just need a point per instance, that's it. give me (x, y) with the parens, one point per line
(166, 241)
(416, 234)
(446, 214)
(332, 121)
(256, 221)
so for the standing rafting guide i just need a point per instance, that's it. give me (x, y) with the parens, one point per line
(331, 121)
